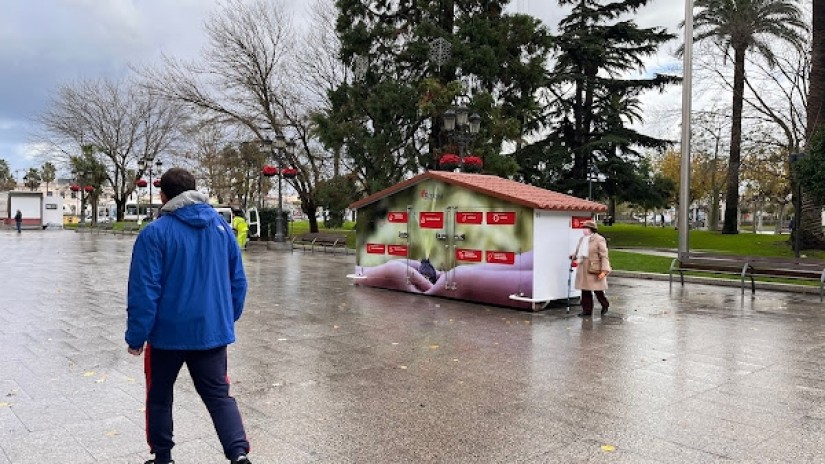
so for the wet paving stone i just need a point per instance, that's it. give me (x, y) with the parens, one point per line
(328, 372)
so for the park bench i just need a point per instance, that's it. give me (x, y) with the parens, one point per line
(322, 240)
(747, 267)
(790, 268)
(713, 264)
(84, 227)
(104, 226)
(130, 227)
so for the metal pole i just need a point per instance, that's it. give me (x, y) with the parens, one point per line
(149, 206)
(590, 179)
(684, 178)
(279, 220)
(82, 199)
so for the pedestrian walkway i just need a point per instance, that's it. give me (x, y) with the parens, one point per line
(326, 372)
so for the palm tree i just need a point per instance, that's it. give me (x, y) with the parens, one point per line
(32, 179)
(742, 26)
(48, 173)
(811, 226)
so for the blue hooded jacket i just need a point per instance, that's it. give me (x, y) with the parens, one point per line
(186, 282)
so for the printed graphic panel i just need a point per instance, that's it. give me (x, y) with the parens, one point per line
(397, 250)
(397, 217)
(579, 220)
(501, 218)
(475, 217)
(431, 220)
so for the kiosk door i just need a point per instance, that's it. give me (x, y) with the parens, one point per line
(398, 245)
(428, 237)
(468, 238)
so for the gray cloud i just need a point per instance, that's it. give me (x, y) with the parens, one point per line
(44, 43)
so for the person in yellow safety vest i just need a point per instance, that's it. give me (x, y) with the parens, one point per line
(240, 227)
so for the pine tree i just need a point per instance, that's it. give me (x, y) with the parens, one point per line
(388, 118)
(593, 99)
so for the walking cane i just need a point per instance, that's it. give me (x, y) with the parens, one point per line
(573, 264)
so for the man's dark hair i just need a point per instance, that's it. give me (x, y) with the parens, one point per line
(176, 181)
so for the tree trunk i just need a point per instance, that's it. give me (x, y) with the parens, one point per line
(780, 219)
(120, 204)
(811, 227)
(714, 211)
(732, 194)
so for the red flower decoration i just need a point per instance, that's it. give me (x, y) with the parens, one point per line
(89, 188)
(156, 183)
(449, 161)
(141, 183)
(269, 171)
(472, 164)
(74, 188)
(290, 173)
(473, 160)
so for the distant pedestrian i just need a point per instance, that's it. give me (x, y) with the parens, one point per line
(662, 220)
(240, 227)
(186, 289)
(18, 220)
(593, 268)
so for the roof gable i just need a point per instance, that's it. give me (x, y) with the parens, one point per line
(498, 187)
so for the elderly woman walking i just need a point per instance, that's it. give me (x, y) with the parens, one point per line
(592, 270)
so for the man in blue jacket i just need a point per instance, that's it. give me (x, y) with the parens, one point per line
(186, 290)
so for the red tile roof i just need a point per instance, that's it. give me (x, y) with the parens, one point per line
(494, 186)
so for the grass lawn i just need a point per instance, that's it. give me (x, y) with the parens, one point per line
(743, 243)
(302, 227)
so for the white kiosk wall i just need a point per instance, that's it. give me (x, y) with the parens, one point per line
(554, 239)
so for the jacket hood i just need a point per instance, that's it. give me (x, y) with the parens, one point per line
(192, 208)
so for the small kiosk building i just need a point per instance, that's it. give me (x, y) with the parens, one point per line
(472, 237)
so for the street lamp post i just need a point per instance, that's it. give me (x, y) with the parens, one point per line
(278, 149)
(592, 176)
(461, 127)
(145, 165)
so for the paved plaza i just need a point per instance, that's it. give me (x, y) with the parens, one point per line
(327, 372)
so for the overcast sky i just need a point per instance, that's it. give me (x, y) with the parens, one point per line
(46, 42)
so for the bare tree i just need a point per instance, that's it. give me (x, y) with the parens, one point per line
(319, 69)
(120, 120)
(710, 126)
(249, 75)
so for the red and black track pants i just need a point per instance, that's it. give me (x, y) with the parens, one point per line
(208, 371)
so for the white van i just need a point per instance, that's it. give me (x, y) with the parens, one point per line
(252, 218)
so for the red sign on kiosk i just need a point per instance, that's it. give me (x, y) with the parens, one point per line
(473, 256)
(399, 217)
(501, 218)
(376, 248)
(579, 220)
(431, 220)
(469, 218)
(397, 250)
(501, 257)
